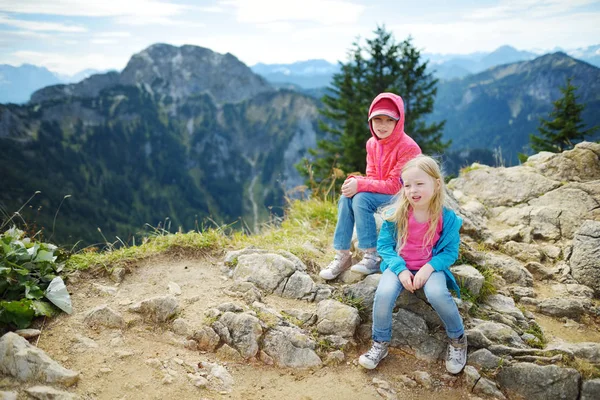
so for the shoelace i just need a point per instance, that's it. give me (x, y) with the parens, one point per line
(455, 353)
(337, 262)
(375, 351)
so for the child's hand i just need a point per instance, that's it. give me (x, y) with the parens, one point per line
(350, 187)
(422, 275)
(406, 279)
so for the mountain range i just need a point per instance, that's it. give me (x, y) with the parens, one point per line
(184, 137)
(182, 133)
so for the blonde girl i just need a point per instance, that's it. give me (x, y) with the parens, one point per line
(418, 243)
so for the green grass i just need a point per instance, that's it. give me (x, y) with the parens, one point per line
(305, 221)
(536, 331)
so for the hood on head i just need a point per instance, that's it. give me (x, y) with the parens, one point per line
(392, 105)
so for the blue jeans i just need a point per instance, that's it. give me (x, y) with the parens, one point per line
(437, 293)
(359, 209)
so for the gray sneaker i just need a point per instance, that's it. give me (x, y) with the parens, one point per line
(368, 265)
(456, 358)
(340, 263)
(373, 357)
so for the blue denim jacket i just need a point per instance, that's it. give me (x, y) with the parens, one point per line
(445, 251)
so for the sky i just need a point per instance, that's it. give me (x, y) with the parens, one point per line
(68, 36)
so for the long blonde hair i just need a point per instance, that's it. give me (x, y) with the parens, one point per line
(398, 210)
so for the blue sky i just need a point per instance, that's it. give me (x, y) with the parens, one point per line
(68, 36)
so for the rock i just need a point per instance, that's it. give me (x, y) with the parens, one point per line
(504, 305)
(298, 286)
(336, 318)
(522, 251)
(118, 274)
(498, 333)
(407, 381)
(335, 357)
(483, 358)
(28, 333)
(519, 292)
(198, 380)
(181, 327)
(49, 393)
(510, 269)
(503, 186)
(564, 307)
(573, 289)
(585, 260)
(580, 163)
(590, 389)
(207, 338)
(535, 382)
(103, 315)
(229, 353)
(303, 317)
(245, 331)
(174, 289)
(469, 277)
(25, 362)
(245, 290)
(230, 307)
(364, 290)
(105, 290)
(290, 347)
(219, 376)
(157, 309)
(410, 329)
(471, 376)
(8, 395)
(488, 388)
(423, 378)
(266, 271)
(589, 351)
(538, 270)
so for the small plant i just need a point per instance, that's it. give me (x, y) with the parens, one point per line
(356, 302)
(535, 330)
(291, 319)
(29, 273)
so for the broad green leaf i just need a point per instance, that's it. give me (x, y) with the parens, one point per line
(33, 291)
(44, 308)
(17, 313)
(44, 255)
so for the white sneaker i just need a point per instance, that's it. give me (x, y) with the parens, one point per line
(340, 263)
(373, 357)
(368, 265)
(456, 358)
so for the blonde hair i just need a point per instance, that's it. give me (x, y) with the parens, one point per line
(398, 210)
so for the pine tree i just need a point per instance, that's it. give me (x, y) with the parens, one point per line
(565, 128)
(381, 66)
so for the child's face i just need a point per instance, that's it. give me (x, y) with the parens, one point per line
(383, 126)
(419, 187)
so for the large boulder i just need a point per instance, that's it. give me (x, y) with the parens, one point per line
(585, 260)
(245, 332)
(534, 382)
(290, 347)
(335, 318)
(25, 362)
(581, 164)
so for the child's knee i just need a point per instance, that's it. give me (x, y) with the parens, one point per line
(436, 294)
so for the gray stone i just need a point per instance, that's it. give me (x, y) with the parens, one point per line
(522, 251)
(335, 357)
(498, 333)
(266, 271)
(539, 271)
(483, 358)
(564, 307)
(364, 290)
(469, 277)
(298, 286)
(423, 378)
(8, 395)
(181, 327)
(174, 289)
(471, 376)
(28, 333)
(103, 315)
(409, 329)
(590, 390)
(519, 292)
(105, 290)
(25, 362)
(585, 260)
(578, 164)
(49, 393)
(207, 338)
(157, 309)
(231, 307)
(535, 382)
(510, 269)
(335, 318)
(245, 331)
(589, 351)
(488, 388)
(290, 347)
(505, 305)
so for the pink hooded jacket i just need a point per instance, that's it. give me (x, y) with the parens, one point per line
(386, 157)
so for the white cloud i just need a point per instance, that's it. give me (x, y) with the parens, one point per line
(152, 20)
(9, 35)
(39, 25)
(531, 8)
(113, 34)
(521, 32)
(320, 11)
(105, 8)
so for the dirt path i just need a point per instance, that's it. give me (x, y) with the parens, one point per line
(131, 363)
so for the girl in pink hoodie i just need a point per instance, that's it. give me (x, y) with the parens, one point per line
(388, 150)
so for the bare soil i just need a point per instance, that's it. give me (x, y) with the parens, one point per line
(119, 367)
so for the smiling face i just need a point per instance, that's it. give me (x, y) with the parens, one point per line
(383, 126)
(419, 187)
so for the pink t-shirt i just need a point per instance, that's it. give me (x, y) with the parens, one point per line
(414, 253)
